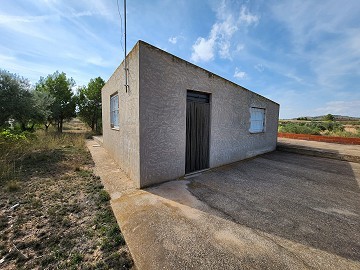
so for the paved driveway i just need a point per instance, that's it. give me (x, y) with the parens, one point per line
(276, 211)
(312, 201)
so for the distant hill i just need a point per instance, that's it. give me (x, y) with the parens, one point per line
(321, 117)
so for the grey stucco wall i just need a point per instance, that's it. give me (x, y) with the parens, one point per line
(123, 143)
(164, 81)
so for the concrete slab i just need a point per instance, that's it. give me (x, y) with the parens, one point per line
(321, 149)
(277, 211)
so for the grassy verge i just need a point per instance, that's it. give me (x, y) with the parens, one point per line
(54, 212)
(326, 128)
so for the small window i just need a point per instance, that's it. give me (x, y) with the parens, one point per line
(257, 120)
(114, 111)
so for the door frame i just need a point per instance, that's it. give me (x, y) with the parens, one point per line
(203, 97)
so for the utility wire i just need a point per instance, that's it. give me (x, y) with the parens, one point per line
(121, 26)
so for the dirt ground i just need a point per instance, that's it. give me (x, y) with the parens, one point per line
(351, 128)
(56, 215)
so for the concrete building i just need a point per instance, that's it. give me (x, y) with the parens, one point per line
(175, 118)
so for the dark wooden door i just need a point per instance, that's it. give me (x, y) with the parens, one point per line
(197, 131)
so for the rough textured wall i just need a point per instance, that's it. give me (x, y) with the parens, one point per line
(164, 81)
(162, 120)
(123, 143)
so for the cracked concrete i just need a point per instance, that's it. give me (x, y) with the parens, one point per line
(276, 211)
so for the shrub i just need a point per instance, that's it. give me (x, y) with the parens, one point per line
(10, 136)
(298, 129)
(313, 128)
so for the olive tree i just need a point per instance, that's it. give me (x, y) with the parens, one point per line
(16, 102)
(64, 103)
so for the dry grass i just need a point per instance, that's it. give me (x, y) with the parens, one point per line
(54, 212)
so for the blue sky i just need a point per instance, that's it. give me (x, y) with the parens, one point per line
(305, 55)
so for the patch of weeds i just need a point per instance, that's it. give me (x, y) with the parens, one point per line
(113, 238)
(35, 203)
(3, 250)
(3, 222)
(118, 261)
(84, 173)
(67, 242)
(37, 245)
(115, 234)
(104, 216)
(46, 260)
(59, 254)
(66, 222)
(13, 186)
(54, 240)
(4, 236)
(94, 186)
(74, 208)
(17, 226)
(104, 196)
(76, 258)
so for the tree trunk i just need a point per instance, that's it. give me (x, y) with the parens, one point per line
(60, 125)
(95, 121)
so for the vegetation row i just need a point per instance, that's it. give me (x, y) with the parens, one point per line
(51, 101)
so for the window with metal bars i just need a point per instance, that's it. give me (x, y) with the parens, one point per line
(114, 111)
(257, 120)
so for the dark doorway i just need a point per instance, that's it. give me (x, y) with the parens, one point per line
(197, 131)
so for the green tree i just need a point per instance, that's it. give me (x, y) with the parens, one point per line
(89, 103)
(60, 88)
(329, 117)
(16, 103)
(43, 102)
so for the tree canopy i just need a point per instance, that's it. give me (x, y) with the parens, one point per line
(16, 100)
(329, 117)
(89, 103)
(59, 87)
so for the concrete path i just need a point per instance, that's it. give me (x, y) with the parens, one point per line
(277, 211)
(321, 149)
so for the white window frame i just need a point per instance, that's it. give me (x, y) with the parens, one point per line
(257, 120)
(114, 111)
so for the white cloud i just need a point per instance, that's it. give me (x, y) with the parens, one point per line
(324, 37)
(173, 40)
(248, 18)
(224, 50)
(346, 108)
(203, 50)
(44, 37)
(239, 74)
(259, 67)
(9, 19)
(240, 47)
(176, 39)
(220, 36)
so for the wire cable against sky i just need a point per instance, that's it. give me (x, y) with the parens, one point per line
(121, 26)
